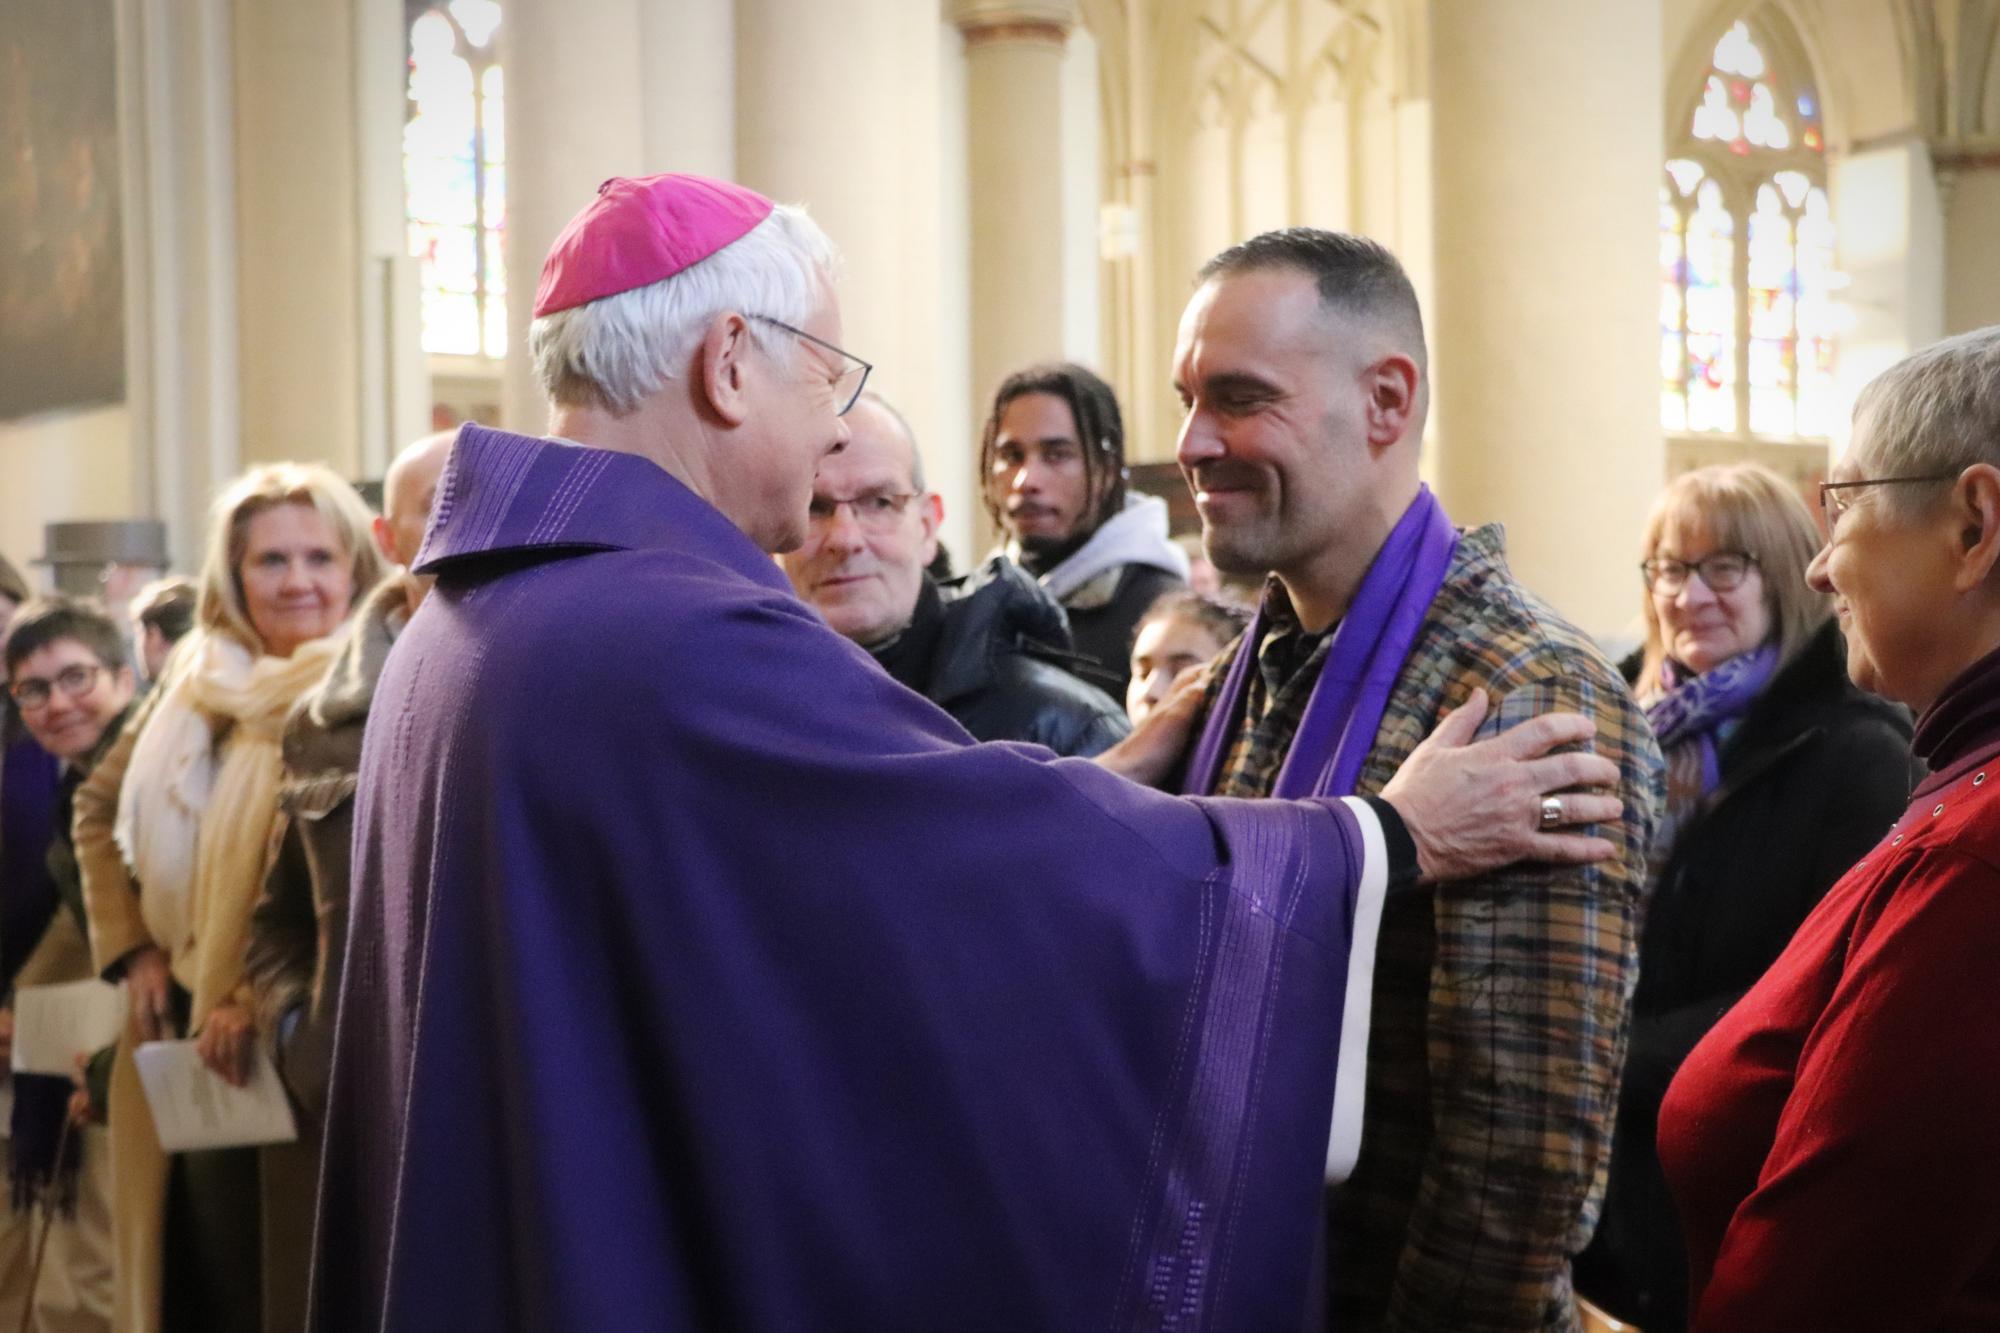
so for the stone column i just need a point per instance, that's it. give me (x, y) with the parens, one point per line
(839, 107)
(689, 86)
(1014, 100)
(1548, 133)
(601, 88)
(575, 115)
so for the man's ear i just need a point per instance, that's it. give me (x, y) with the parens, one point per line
(722, 372)
(1391, 385)
(385, 538)
(1975, 502)
(930, 508)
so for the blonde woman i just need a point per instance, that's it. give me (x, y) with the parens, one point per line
(173, 834)
(1780, 774)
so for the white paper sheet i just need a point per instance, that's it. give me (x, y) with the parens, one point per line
(194, 1108)
(55, 1024)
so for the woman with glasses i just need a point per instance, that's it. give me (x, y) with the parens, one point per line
(1833, 1144)
(1780, 773)
(174, 832)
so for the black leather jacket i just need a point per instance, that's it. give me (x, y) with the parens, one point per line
(988, 649)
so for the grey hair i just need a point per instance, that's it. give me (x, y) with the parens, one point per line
(617, 351)
(1934, 413)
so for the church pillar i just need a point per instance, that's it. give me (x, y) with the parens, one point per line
(595, 89)
(575, 111)
(1014, 102)
(1547, 134)
(839, 107)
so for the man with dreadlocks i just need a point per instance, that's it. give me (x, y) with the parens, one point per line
(1053, 464)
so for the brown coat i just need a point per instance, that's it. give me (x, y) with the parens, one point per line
(214, 974)
(298, 930)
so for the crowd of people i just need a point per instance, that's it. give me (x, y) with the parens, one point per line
(604, 850)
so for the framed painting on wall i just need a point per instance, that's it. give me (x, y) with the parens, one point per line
(62, 268)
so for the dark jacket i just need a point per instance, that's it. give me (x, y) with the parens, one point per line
(990, 650)
(1811, 780)
(1103, 616)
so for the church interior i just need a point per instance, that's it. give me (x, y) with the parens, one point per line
(1647, 235)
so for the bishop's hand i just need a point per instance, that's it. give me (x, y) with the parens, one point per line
(1473, 806)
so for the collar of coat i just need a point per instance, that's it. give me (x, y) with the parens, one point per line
(505, 497)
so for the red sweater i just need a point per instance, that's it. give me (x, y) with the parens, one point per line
(1833, 1144)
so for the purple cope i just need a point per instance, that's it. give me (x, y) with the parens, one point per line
(702, 977)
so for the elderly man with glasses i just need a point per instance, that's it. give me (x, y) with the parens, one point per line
(987, 648)
(702, 976)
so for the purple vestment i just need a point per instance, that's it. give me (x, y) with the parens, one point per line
(702, 977)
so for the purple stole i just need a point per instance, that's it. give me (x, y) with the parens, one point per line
(1369, 648)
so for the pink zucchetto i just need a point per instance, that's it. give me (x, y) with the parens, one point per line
(639, 230)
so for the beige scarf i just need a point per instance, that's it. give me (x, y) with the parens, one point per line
(200, 801)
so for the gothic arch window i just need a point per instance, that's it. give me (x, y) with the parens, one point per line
(1747, 280)
(454, 175)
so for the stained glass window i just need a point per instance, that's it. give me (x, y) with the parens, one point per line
(1747, 330)
(454, 177)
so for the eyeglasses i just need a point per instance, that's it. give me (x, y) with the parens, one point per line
(1833, 504)
(852, 366)
(33, 693)
(878, 512)
(1720, 571)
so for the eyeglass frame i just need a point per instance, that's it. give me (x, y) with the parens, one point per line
(866, 366)
(1694, 567)
(901, 507)
(91, 670)
(1827, 490)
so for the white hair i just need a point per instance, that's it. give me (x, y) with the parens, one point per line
(617, 351)
(1934, 413)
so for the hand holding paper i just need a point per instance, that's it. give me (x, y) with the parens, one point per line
(194, 1108)
(55, 1024)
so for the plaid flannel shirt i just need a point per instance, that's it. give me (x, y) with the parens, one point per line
(1500, 1003)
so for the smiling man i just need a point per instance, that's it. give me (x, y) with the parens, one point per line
(1499, 1004)
(986, 648)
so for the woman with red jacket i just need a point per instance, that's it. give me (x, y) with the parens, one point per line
(1833, 1144)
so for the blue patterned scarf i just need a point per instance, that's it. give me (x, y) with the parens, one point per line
(1691, 719)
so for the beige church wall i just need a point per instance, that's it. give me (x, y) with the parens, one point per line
(297, 234)
(1082, 168)
(1891, 243)
(1972, 250)
(840, 108)
(949, 438)
(1546, 319)
(71, 465)
(575, 116)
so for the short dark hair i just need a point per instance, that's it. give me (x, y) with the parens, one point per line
(1222, 620)
(168, 606)
(1355, 275)
(1100, 430)
(48, 620)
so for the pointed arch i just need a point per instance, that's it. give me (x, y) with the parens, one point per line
(1748, 307)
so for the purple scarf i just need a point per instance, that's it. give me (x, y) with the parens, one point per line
(1369, 648)
(1695, 706)
(1687, 719)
